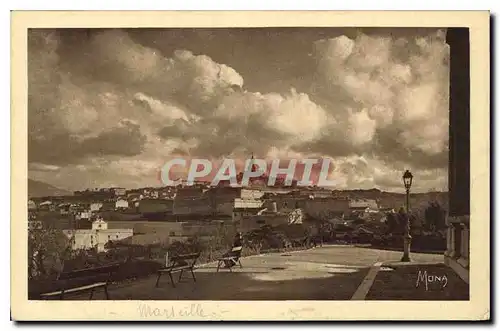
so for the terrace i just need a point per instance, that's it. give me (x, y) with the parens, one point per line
(326, 273)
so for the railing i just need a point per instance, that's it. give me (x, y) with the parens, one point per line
(458, 238)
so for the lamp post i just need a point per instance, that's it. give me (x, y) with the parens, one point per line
(407, 181)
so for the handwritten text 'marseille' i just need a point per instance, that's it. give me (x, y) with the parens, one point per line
(194, 311)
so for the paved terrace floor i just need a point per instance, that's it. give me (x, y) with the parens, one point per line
(323, 273)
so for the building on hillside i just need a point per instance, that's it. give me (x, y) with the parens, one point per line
(269, 216)
(83, 215)
(215, 201)
(363, 203)
(95, 207)
(75, 208)
(31, 205)
(319, 208)
(224, 194)
(83, 220)
(236, 205)
(285, 202)
(121, 204)
(241, 201)
(191, 200)
(134, 196)
(242, 208)
(118, 191)
(63, 208)
(34, 223)
(315, 193)
(363, 208)
(46, 205)
(150, 193)
(326, 208)
(387, 210)
(96, 237)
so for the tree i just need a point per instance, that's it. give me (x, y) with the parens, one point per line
(392, 222)
(435, 217)
(48, 249)
(416, 222)
(403, 221)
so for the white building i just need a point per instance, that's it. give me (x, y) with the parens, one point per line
(119, 191)
(31, 205)
(96, 237)
(95, 207)
(46, 205)
(371, 204)
(84, 215)
(121, 204)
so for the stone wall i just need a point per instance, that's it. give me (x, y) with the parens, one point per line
(458, 238)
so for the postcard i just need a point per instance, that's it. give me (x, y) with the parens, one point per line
(179, 166)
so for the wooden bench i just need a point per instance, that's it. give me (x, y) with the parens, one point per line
(83, 280)
(232, 257)
(179, 263)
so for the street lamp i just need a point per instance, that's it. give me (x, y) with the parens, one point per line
(407, 181)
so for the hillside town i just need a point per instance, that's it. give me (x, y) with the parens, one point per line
(94, 217)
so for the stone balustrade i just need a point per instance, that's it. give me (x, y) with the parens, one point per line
(457, 252)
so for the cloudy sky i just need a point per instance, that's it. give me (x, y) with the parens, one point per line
(109, 107)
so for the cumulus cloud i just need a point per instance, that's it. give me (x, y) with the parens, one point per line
(396, 105)
(196, 81)
(374, 104)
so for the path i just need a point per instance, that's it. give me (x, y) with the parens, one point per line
(323, 273)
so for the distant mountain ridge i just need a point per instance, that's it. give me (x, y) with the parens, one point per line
(385, 199)
(396, 200)
(41, 189)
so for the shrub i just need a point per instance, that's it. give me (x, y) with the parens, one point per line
(141, 261)
(48, 249)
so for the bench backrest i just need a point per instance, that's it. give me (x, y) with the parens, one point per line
(236, 251)
(90, 272)
(182, 260)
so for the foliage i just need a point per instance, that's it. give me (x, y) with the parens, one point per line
(48, 248)
(393, 225)
(425, 225)
(359, 221)
(435, 217)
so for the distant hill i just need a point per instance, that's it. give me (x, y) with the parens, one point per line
(396, 200)
(41, 189)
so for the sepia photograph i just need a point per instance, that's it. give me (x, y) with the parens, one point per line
(251, 163)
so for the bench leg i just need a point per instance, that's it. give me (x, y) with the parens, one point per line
(106, 292)
(180, 275)
(171, 279)
(158, 279)
(192, 274)
(91, 294)
(239, 262)
(218, 265)
(62, 295)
